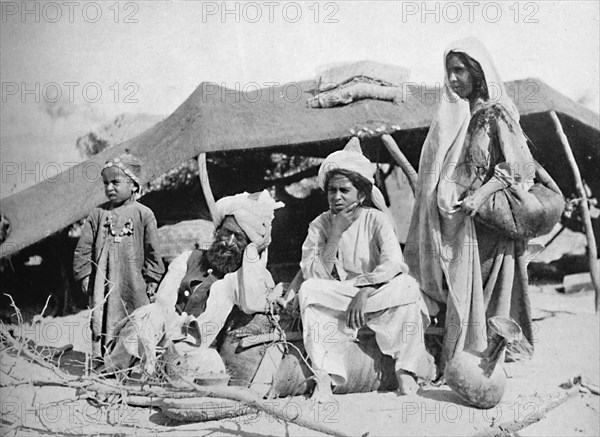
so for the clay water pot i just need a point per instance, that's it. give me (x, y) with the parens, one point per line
(478, 377)
(185, 361)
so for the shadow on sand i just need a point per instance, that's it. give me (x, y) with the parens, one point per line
(442, 395)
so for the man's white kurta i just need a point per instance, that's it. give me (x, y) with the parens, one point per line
(368, 255)
(145, 327)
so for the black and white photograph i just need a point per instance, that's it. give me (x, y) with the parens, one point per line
(299, 218)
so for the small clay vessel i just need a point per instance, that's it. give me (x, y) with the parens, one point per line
(478, 377)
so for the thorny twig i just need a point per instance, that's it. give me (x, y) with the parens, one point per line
(114, 395)
(31, 354)
(27, 348)
(45, 306)
(17, 311)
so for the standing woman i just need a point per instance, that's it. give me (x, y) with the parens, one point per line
(475, 147)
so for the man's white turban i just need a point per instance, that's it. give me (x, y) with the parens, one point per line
(253, 212)
(351, 158)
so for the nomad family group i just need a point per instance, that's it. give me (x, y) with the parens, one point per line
(352, 272)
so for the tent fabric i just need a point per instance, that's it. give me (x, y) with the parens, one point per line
(214, 118)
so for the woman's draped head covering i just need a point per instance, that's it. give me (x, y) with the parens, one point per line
(440, 155)
(449, 127)
(253, 212)
(351, 158)
(496, 89)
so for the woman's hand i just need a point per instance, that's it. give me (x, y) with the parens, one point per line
(471, 204)
(343, 219)
(355, 314)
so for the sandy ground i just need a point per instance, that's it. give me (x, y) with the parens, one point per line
(567, 345)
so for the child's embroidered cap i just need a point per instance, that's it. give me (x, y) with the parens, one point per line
(130, 165)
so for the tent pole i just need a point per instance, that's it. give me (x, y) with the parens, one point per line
(399, 157)
(205, 184)
(585, 212)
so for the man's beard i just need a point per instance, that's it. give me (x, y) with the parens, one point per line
(224, 258)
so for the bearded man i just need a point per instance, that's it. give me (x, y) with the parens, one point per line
(201, 287)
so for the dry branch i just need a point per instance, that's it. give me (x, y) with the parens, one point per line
(239, 394)
(584, 209)
(8, 337)
(17, 311)
(250, 398)
(401, 160)
(145, 394)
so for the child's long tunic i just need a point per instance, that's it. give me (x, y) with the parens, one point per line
(119, 266)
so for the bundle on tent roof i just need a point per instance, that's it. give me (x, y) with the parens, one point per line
(344, 83)
(332, 76)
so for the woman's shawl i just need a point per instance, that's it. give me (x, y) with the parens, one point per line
(441, 239)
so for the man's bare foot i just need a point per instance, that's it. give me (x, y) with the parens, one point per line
(407, 384)
(322, 393)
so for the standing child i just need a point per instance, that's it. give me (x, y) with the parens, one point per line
(117, 260)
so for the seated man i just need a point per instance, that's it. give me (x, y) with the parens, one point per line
(355, 276)
(202, 286)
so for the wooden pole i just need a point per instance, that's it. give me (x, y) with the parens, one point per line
(399, 157)
(205, 184)
(585, 212)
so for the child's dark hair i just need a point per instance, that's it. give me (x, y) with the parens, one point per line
(480, 88)
(362, 184)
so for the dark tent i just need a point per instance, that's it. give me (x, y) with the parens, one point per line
(219, 119)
